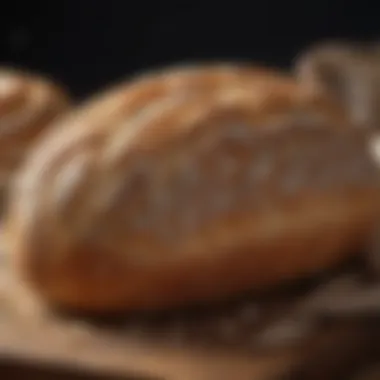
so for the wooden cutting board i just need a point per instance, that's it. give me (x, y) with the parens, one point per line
(53, 348)
(37, 346)
(63, 346)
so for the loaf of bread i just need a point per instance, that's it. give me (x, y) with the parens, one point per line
(347, 72)
(28, 104)
(190, 185)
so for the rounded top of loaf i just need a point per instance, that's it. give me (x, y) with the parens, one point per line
(29, 103)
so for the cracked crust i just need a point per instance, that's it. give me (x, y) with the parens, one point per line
(187, 186)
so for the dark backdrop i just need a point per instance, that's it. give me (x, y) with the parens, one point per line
(87, 44)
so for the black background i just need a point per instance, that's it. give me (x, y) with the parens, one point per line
(87, 44)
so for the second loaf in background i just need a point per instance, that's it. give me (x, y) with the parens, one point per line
(29, 103)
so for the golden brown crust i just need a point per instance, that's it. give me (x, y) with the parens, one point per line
(189, 193)
(28, 103)
(347, 72)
